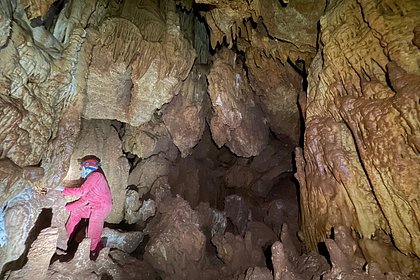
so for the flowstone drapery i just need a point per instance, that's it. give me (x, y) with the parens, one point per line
(360, 160)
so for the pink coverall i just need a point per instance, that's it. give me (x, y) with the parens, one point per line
(95, 203)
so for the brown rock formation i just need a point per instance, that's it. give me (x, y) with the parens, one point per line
(147, 172)
(258, 273)
(236, 111)
(278, 87)
(39, 256)
(185, 115)
(361, 123)
(145, 58)
(178, 247)
(148, 139)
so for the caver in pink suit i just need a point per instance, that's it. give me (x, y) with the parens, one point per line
(95, 203)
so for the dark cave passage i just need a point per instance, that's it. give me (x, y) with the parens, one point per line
(240, 205)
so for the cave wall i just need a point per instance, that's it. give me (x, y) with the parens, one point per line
(100, 61)
(360, 162)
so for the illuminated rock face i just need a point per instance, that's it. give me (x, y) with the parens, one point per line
(360, 159)
(238, 120)
(200, 111)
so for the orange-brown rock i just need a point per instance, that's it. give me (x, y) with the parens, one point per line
(236, 112)
(177, 247)
(361, 119)
(278, 86)
(144, 58)
(185, 115)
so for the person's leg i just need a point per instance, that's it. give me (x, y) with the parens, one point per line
(95, 227)
(75, 216)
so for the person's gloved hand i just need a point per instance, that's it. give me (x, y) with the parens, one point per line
(59, 188)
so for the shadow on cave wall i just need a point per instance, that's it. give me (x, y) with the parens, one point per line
(43, 221)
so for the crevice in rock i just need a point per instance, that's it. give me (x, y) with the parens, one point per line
(43, 221)
(50, 18)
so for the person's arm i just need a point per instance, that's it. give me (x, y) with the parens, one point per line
(85, 187)
(73, 183)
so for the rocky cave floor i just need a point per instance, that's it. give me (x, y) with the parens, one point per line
(205, 218)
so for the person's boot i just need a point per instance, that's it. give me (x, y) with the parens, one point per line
(93, 255)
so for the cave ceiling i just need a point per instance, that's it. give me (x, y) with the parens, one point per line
(128, 60)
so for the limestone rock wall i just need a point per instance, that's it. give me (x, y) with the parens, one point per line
(42, 81)
(144, 57)
(360, 159)
(35, 91)
(236, 112)
(125, 61)
(39, 87)
(185, 116)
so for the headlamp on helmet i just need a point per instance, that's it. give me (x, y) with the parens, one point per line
(90, 162)
(88, 166)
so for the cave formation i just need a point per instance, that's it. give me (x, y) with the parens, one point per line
(241, 139)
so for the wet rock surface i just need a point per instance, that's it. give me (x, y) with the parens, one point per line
(357, 151)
